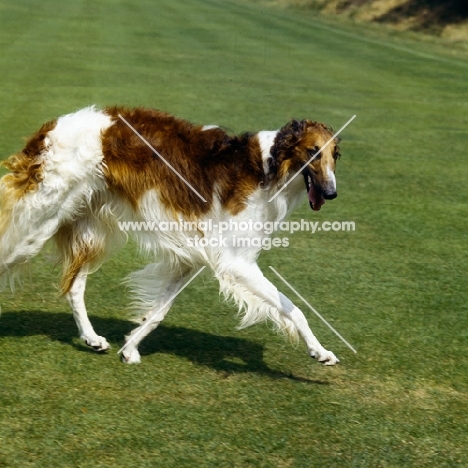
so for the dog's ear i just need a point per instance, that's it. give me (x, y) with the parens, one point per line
(287, 138)
(293, 132)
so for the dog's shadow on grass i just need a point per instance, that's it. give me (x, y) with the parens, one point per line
(225, 354)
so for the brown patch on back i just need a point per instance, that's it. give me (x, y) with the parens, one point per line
(209, 160)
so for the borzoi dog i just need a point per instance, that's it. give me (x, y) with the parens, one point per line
(81, 175)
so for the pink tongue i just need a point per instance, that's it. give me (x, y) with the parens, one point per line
(315, 199)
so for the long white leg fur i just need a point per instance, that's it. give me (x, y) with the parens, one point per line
(246, 284)
(154, 288)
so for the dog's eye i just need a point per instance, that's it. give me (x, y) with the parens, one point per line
(312, 152)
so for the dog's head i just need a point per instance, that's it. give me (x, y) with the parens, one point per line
(301, 145)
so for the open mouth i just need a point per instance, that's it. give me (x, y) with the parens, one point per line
(316, 199)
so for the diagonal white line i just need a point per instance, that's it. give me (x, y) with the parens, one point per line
(161, 308)
(312, 309)
(312, 158)
(159, 154)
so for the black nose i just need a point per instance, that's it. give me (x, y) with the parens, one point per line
(329, 195)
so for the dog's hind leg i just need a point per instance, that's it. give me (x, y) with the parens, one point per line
(75, 297)
(83, 246)
(260, 299)
(155, 288)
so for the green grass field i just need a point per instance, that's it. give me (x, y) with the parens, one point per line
(206, 394)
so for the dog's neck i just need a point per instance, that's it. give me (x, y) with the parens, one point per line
(293, 194)
(266, 140)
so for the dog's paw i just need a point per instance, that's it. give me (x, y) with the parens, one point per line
(131, 357)
(327, 358)
(98, 343)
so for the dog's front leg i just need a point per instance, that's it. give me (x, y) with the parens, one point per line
(249, 287)
(316, 350)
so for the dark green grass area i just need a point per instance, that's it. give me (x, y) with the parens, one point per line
(395, 288)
